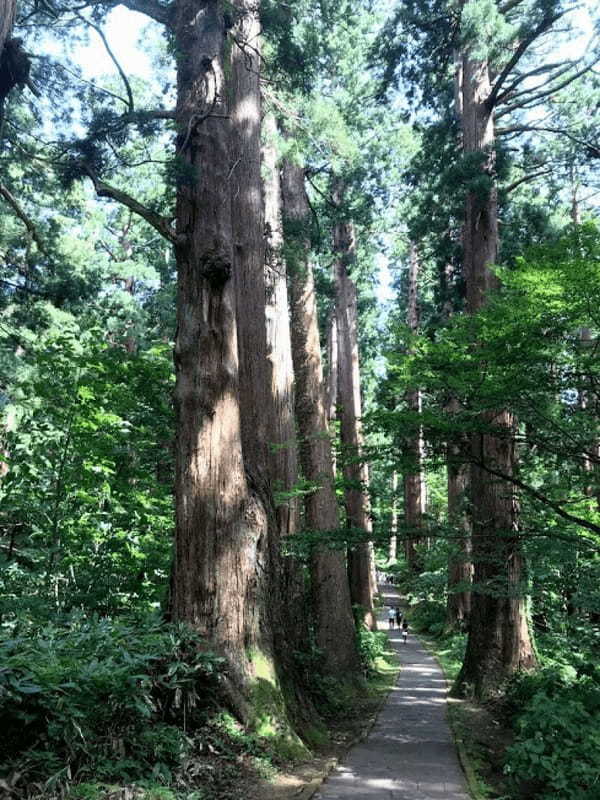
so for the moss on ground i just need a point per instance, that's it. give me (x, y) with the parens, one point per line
(269, 719)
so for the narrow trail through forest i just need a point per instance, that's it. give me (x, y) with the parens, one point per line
(409, 754)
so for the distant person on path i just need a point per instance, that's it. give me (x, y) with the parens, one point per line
(404, 631)
(398, 616)
(391, 617)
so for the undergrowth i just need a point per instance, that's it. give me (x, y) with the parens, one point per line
(95, 708)
(91, 704)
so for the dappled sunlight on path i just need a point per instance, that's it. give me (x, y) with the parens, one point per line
(409, 754)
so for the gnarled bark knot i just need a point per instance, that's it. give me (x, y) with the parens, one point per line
(216, 268)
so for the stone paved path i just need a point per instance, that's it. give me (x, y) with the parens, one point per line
(409, 754)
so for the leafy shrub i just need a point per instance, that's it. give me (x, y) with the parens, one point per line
(429, 616)
(557, 748)
(371, 645)
(103, 699)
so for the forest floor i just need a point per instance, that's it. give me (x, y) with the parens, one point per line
(409, 751)
(347, 728)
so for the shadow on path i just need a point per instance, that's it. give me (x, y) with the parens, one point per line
(409, 754)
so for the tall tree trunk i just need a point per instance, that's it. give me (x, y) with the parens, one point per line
(334, 624)
(221, 521)
(460, 568)
(414, 483)
(499, 641)
(332, 378)
(360, 557)
(283, 452)
(393, 546)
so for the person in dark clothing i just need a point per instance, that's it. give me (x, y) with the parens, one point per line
(398, 616)
(405, 631)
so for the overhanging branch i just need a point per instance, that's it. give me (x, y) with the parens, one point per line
(113, 58)
(556, 507)
(24, 217)
(526, 179)
(523, 45)
(158, 222)
(535, 99)
(151, 8)
(560, 69)
(593, 147)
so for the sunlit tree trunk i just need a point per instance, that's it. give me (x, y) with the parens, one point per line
(332, 378)
(393, 546)
(414, 480)
(283, 455)
(499, 640)
(221, 544)
(334, 624)
(360, 557)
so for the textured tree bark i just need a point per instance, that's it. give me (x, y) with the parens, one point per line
(499, 641)
(283, 454)
(332, 379)
(360, 557)
(334, 624)
(8, 10)
(414, 481)
(460, 568)
(393, 547)
(221, 522)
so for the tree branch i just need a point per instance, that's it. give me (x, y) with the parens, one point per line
(536, 97)
(583, 523)
(158, 222)
(560, 70)
(541, 28)
(508, 6)
(151, 8)
(24, 217)
(595, 148)
(526, 178)
(113, 58)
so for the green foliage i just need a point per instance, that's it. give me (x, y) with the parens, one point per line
(429, 616)
(371, 646)
(109, 700)
(557, 748)
(86, 501)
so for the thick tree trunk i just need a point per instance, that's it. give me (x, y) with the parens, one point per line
(334, 624)
(460, 569)
(499, 641)
(360, 557)
(414, 483)
(221, 521)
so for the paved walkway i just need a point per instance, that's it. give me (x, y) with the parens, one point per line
(409, 754)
